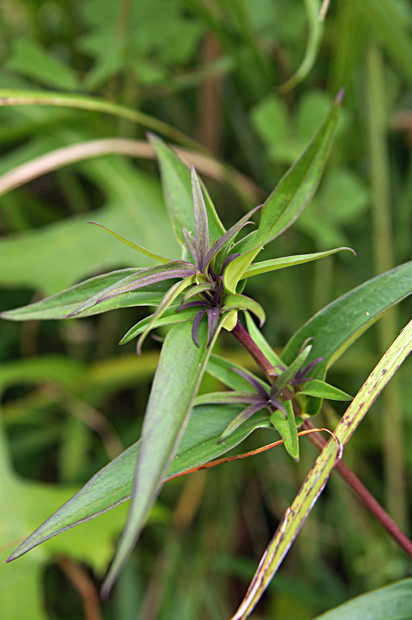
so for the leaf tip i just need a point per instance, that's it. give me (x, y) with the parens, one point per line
(339, 97)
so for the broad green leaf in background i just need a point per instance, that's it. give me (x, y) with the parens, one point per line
(23, 505)
(32, 60)
(134, 208)
(338, 325)
(113, 484)
(393, 602)
(177, 190)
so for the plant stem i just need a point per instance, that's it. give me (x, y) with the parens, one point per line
(345, 472)
(362, 492)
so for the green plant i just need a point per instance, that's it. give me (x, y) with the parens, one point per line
(211, 275)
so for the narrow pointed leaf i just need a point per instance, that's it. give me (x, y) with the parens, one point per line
(240, 418)
(323, 390)
(197, 290)
(241, 302)
(170, 317)
(256, 384)
(60, 305)
(281, 382)
(225, 240)
(160, 259)
(178, 375)
(201, 223)
(261, 342)
(338, 325)
(151, 276)
(224, 398)
(224, 370)
(177, 191)
(190, 243)
(287, 429)
(166, 302)
(297, 187)
(287, 261)
(113, 484)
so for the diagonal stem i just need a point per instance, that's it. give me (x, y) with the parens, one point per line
(345, 472)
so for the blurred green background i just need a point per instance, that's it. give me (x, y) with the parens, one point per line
(72, 398)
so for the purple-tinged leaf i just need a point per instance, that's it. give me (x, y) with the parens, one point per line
(195, 328)
(197, 290)
(212, 323)
(60, 305)
(201, 223)
(229, 235)
(145, 277)
(177, 190)
(255, 383)
(190, 242)
(282, 381)
(240, 418)
(228, 261)
(160, 259)
(194, 304)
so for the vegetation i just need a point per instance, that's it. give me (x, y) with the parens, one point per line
(252, 132)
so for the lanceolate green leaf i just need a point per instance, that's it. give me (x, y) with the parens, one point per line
(178, 375)
(392, 602)
(298, 185)
(339, 324)
(222, 369)
(113, 484)
(323, 390)
(60, 305)
(287, 429)
(287, 261)
(177, 191)
(334, 328)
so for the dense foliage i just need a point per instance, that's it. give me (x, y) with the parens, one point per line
(243, 90)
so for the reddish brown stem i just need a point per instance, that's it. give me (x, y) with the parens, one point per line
(251, 347)
(362, 492)
(345, 472)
